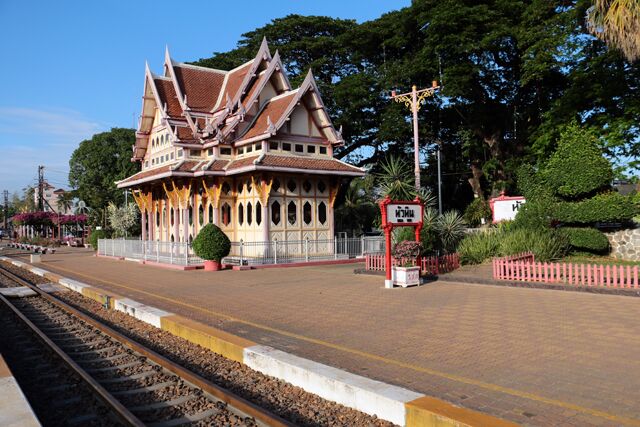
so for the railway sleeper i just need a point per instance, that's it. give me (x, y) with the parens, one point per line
(199, 416)
(114, 368)
(164, 404)
(147, 389)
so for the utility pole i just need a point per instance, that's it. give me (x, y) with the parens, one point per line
(5, 208)
(40, 188)
(413, 100)
(439, 181)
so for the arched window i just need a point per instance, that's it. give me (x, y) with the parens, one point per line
(171, 215)
(275, 212)
(249, 213)
(157, 218)
(321, 186)
(201, 215)
(239, 189)
(226, 214)
(258, 213)
(248, 186)
(276, 185)
(190, 215)
(240, 213)
(210, 213)
(292, 212)
(164, 216)
(291, 185)
(306, 213)
(226, 188)
(306, 186)
(322, 213)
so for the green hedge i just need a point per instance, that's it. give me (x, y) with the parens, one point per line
(477, 210)
(586, 239)
(606, 207)
(95, 235)
(211, 243)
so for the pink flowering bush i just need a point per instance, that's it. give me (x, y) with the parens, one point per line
(407, 252)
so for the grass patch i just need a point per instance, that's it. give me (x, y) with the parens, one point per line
(596, 259)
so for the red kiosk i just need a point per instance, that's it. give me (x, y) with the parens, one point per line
(399, 213)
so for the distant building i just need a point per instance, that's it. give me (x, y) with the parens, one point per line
(51, 198)
(241, 149)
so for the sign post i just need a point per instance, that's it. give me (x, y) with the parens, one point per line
(398, 213)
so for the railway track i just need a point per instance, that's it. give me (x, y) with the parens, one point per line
(108, 378)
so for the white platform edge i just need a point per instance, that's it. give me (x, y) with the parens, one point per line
(15, 410)
(369, 396)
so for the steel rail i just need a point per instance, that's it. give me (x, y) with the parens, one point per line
(118, 408)
(240, 404)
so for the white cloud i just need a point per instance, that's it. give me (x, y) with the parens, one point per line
(30, 137)
(61, 123)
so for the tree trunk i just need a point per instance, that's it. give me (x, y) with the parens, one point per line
(474, 181)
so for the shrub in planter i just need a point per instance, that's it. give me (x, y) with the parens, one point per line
(407, 251)
(586, 239)
(479, 247)
(211, 244)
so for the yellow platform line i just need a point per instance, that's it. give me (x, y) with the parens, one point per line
(453, 377)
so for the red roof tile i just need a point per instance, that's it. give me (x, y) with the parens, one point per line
(167, 94)
(202, 87)
(145, 174)
(234, 81)
(274, 109)
(296, 162)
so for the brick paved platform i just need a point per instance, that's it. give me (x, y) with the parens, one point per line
(537, 357)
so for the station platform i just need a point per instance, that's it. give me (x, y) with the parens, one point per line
(530, 356)
(15, 411)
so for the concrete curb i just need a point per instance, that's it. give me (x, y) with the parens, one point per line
(396, 404)
(14, 407)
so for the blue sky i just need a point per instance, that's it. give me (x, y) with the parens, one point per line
(74, 68)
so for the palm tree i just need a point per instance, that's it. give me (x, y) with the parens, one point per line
(65, 201)
(357, 211)
(617, 23)
(396, 179)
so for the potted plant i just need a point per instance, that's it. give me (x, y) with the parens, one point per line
(211, 244)
(407, 273)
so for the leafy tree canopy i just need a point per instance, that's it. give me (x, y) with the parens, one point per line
(98, 163)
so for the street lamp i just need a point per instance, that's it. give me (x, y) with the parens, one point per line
(413, 100)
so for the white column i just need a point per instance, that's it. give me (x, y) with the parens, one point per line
(265, 221)
(185, 224)
(143, 221)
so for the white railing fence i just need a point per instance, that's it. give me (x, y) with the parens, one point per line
(246, 253)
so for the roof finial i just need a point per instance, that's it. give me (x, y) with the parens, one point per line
(270, 127)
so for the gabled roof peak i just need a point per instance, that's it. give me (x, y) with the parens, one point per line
(198, 67)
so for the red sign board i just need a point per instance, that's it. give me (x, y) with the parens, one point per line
(399, 213)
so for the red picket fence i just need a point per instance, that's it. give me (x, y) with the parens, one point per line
(431, 265)
(524, 268)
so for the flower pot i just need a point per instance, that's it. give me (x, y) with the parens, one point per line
(210, 265)
(406, 276)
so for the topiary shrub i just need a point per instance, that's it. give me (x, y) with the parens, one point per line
(94, 236)
(586, 239)
(476, 211)
(479, 247)
(535, 214)
(577, 167)
(605, 207)
(211, 244)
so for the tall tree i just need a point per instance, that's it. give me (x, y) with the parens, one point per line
(98, 163)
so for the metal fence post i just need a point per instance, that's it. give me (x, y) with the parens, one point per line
(306, 249)
(157, 252)
(186, 253)
(335, 248)
(275, 252)
(362, 245)
(171, 248)
(241, 252)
